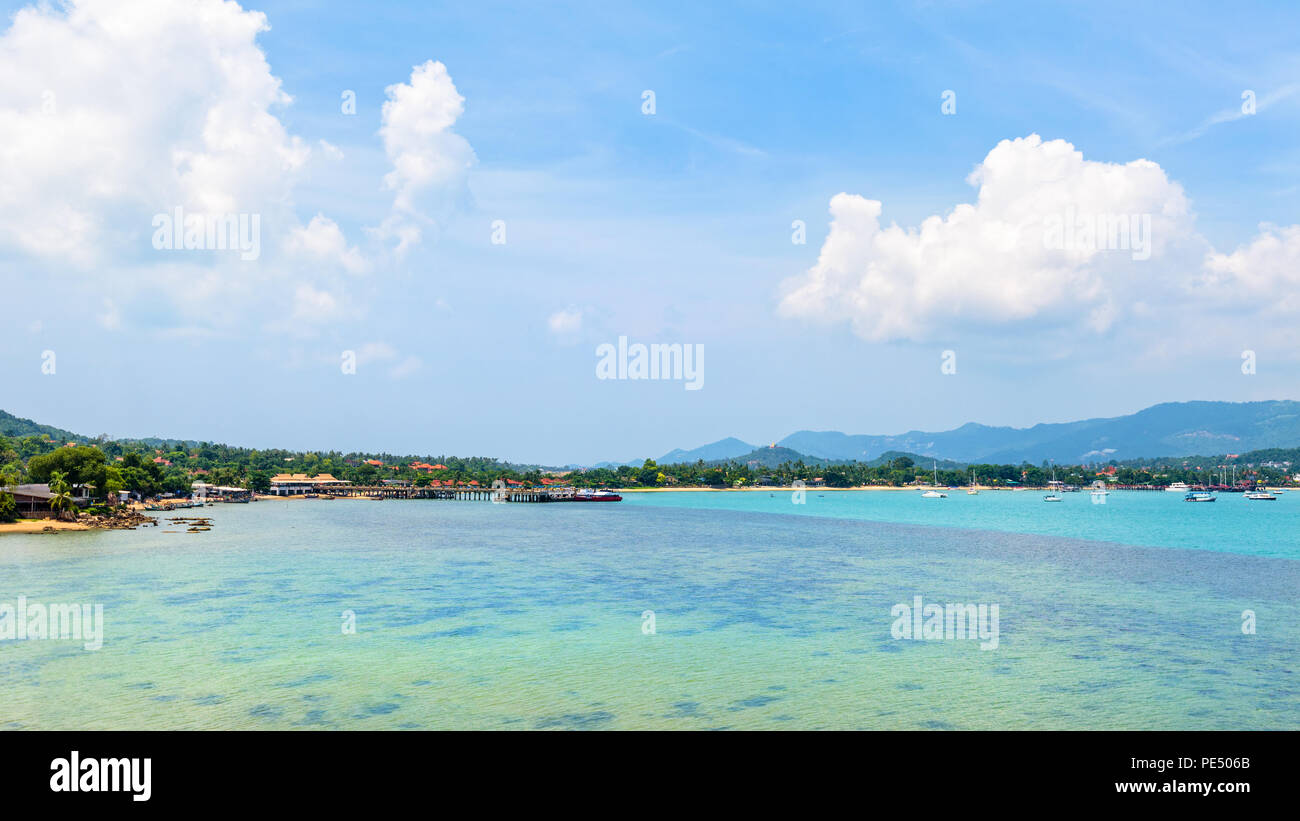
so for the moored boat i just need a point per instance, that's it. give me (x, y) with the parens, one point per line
(602, 495)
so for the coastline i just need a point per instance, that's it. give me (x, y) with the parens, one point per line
(41, 526)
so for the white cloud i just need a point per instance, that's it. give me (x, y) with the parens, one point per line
(1235, 113)
(1264, 273)
(322, 240)
(373, 352)
(430, 161)
(998, 260)
(406, 367)
(312, 306)
(565, 322)
(114, 110)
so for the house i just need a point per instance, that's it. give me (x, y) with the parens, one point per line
(34, 500)
(295, 484)
(205, 490)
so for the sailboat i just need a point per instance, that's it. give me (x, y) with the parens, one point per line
(932, 493)
(1052, 496)
(971, 491)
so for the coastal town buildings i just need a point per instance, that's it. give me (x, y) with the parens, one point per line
(295, 484)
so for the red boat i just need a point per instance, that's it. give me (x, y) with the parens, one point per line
(587, 495)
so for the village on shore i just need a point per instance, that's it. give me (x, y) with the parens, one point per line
(50, 485)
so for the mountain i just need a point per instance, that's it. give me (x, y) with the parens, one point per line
(1168, 429)
(18, 427)
(768, 457)
(723, 449)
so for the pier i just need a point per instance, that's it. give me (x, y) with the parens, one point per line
(474, 494)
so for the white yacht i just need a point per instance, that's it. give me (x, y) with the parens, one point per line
(935, 494)
(1178, 487)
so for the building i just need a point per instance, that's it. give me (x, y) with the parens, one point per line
(34, 500)
(205, 490)
(296, 484)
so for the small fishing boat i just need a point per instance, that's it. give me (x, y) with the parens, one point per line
(1052, 497)
(1199, 496)
(1260, 496)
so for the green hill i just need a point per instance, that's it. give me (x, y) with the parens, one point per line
(17, 427)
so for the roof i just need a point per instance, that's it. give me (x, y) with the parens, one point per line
(36, 491)
(301, 478)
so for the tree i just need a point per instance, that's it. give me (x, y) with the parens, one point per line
(61, 502)
(82, 465)
(113, 483)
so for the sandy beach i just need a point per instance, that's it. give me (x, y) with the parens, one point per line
(40, 526)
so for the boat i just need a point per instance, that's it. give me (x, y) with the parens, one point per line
(934, 494)
(602, 495)
(1260, 496)
(1199, 496)
(1178, 487)
(1051, 497)
(1099, 492)
(971, 491)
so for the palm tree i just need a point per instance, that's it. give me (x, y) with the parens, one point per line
(61, 500)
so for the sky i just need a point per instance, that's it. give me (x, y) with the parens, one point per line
(870, 218)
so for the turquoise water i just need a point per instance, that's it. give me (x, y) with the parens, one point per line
(473, 615)
(1231, 524)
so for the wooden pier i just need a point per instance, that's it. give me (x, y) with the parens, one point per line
(474, 494)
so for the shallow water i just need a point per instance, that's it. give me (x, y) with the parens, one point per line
(473, 615)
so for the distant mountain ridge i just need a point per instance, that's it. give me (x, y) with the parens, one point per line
(1168, 429)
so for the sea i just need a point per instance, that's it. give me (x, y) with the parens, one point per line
(675, 610)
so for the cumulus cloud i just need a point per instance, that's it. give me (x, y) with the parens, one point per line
(1050, 236)
(114, 110)
(429, 160)
(322, 240)
(1264, 272)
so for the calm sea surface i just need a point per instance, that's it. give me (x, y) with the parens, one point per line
(767, 614)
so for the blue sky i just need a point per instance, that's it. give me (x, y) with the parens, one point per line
(666, 227)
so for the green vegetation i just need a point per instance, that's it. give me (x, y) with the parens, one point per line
(105, 467)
